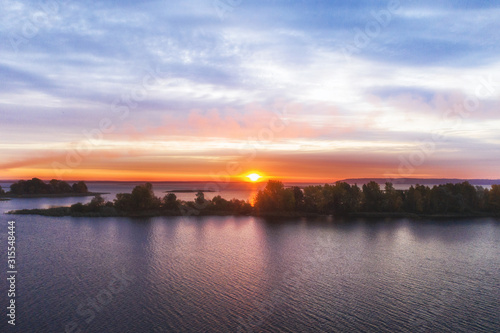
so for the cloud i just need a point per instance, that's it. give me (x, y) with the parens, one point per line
(221, 76)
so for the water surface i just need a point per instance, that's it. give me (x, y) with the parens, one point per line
(213, 274)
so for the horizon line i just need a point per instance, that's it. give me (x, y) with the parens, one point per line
(263, 181)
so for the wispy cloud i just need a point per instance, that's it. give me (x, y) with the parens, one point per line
(221, 78)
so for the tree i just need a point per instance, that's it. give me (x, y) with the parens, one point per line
(80, 187)
(467, 196)
(170, 201)
(96, 203)
(143, 197)
(373, 197)
(78, 208)
(59, 186)
(313, 198)
(218, 203)
(392, 199)
(200, 198)
(494, 198)
(330, 199)
(482, 195)
(275, 197)
(124, 202)
(1, 190)
(354, 198)
(298, 197)
(38, 186)
(240, 207)
(18, 187)
(346, 198)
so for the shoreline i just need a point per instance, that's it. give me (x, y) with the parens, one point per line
(54, 195)
(421, 216)
(66, 212)
(189, 191)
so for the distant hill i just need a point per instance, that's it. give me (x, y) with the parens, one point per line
(422, 181)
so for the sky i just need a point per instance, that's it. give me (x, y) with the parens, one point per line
(217, 89)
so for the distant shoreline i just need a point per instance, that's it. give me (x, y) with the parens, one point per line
(52, 195)
(401, 180)
(423, 181)
(189, 191)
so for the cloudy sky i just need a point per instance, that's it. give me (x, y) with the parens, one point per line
(296, 90)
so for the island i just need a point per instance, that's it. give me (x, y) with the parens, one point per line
(188, 191)
(37, 188)
(339, 199)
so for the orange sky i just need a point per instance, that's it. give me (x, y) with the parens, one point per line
(214, 100)
(286, 167)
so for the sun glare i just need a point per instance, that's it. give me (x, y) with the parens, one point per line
(254, 177)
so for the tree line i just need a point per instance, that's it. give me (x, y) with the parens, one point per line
(342, 198)
(337, 199)
(143, 199)
(37, 186)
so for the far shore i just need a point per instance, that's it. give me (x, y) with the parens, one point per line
(188, 191)
(52, 195)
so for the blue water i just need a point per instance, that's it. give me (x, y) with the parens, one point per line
(246, 274)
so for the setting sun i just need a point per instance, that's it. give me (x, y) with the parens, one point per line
(254, 177)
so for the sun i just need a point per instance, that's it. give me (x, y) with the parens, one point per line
(254, 177)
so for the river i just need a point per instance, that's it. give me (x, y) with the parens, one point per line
(247, 274)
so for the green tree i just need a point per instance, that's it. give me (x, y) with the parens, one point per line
(96, 203)
(218, 203)
(124, 202)
(59, 187)
(80, 187)
(482, 197)
(393, 200)
(240, 207)
(143, 197)
(313, 198)
(440, 200)
(354, 198)
(17, 188)
(453, 198)
(275, 198)
(494, 198)
(298, 196)
(467, 197)
(346, 198)
(200, 198)
(373, 197)
(170, 201)
(38, 186)
(78, 208)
